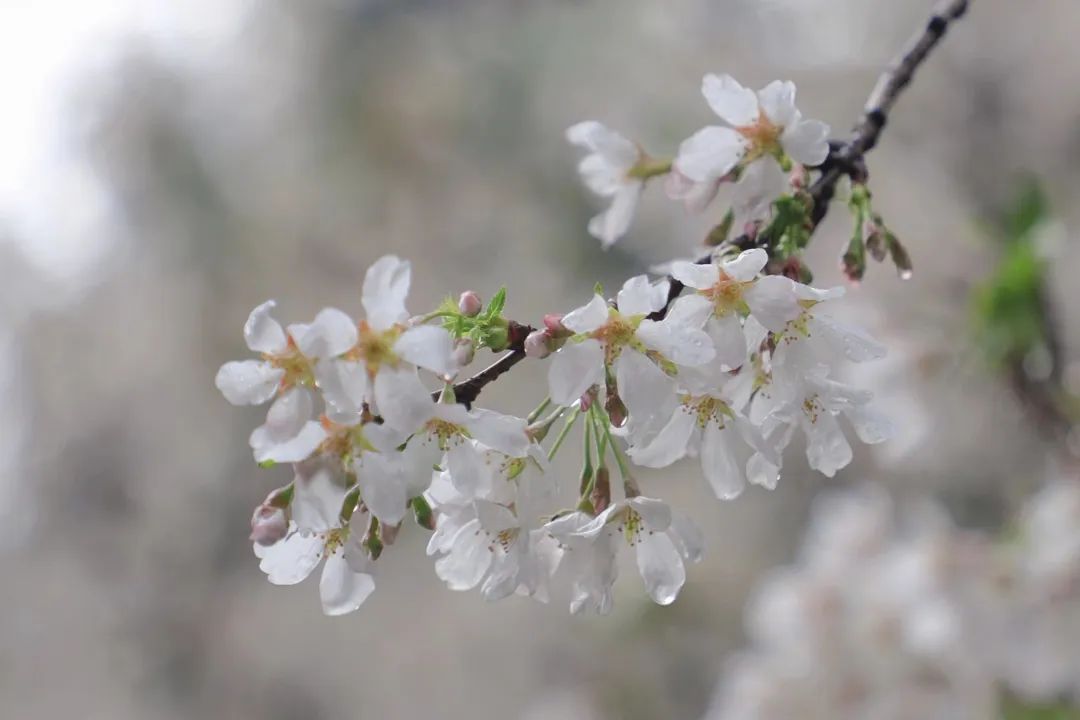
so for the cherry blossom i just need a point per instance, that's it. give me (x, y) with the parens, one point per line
(317, 532)
(762, 126)
(606, 171)
(662, 542)
(609, 339)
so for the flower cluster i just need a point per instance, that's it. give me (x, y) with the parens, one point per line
(761, 145)
(912, 618)
(725, 360)
(728, 374)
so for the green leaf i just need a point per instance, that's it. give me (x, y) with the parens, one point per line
(1029, 210)
(495, 307)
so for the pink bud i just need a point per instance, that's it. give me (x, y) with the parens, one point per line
(554, 325)
(268, 525)
(470, 304)
(538, 344)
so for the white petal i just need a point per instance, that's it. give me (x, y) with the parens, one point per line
(615, 149)
(735, 104)
(386, 286)
(427, 346)
(710, 153)
(341, 588)
(289, 561)
(655, 514)
(469, 558)
(777, 101)
(871, 426)
(695, 275)
(695, 196)
(470, 475)
(495, 518)
(504, 433)
(772, 301)
(248, 382)
(727, 337)
(331, 334)
(807, 142)
(679, 343)
(288, 429)
(805, 292)
(661, 568)
(402, 399)
(318, 497)
(719, 462)
(856, 344)
(344, 384)
(612, 224)
(638, 296)
(600, 176)
(747, 264)
(687, 537)
(762, 182)
(647, 392)
(588, 317)
(382, 487)
(574, 369)
(669, 445)
(761, 472)
(827, 450)
(691, 310)
(262, 333)
(295, 449)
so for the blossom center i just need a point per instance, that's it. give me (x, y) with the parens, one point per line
(375, 348)
(618, 332)
(630, 524)
(334, 540)
(726, 295)
(297, 367)
(813, 408)
(444, 431)
(707, 409)
(763, 136)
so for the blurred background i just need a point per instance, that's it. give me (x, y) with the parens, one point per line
(168, 166)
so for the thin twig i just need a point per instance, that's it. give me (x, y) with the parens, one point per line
(845, 159)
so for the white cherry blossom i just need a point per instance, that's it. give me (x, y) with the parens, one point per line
(317, 533)
(374, 361)
(813, 404)
(703, 423)
(606, 338)
(662, 542)
(495, 541)
(726, 291)
(606, 171)
(756, 125)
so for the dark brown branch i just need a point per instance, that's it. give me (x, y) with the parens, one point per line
(845, 158)
(466, 391)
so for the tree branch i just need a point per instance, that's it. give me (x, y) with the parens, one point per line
(845, 158)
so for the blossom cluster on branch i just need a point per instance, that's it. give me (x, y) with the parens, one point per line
(905, 617)
(725, 361)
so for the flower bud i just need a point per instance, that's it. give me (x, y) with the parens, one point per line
(463, 353)
(268, 525)
(616, 410)
(538, 344)
(899, 256)
(554, 326)
(600, 497)
(470, 304)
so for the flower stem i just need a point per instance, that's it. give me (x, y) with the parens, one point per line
(563, 433)
(538, 411)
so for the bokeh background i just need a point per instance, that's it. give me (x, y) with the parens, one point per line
(167, 166)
